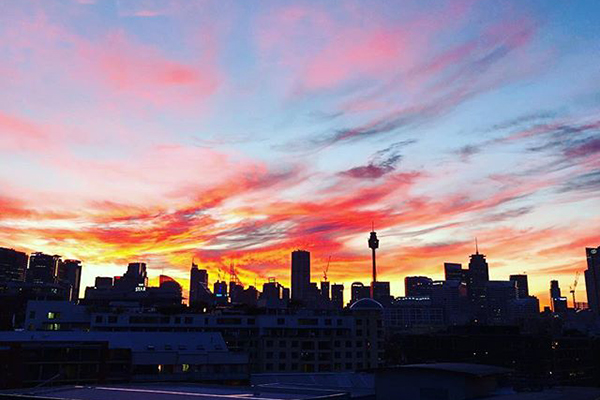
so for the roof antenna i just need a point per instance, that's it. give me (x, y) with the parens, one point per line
(372, 226)
(476, 246)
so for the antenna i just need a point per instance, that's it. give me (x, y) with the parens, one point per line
(476, 246)
(372, 226)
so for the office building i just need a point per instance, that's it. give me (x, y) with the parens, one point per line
(381, 292)
(69, 275)
(499, 295)
(43, 268)
(455, 272)
(300, 275)
(521, 284)
(359, 291)
(417, 286)
(198, 284)
(13, 265)
(592, 279)
(337, 296)
(478, 277)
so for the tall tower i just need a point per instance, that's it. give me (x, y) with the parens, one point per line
(373, 245)
(300, 274)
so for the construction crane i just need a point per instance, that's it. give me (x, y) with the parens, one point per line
(572, 289)
(326, 269)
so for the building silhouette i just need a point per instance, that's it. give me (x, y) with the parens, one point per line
(43, 268)
(198, 284)
(337, 296)
(13, 265)
(417, 286)
(455, 272)
(300, 275)
(478, 277)
(69, 274)
(592, 279)
(521, 284)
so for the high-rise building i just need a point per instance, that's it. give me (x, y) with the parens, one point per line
(198, 283)
(135, 277)
(417, 286)
(13, 265)
(520, 281)
(69, 274)
(478, 277)
(43, 268)
(454, 272)
(220, 291)
(381, 292)
(325, 285)
(300, 274)
(337, 295)
(592, 278)
(359, 291)
(559, 303)
(373, 245)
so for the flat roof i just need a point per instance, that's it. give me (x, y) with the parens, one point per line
(479, 370)
(159, 391)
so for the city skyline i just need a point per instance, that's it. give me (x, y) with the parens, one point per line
(171, 132)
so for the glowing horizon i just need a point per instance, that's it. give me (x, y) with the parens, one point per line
(230, 132)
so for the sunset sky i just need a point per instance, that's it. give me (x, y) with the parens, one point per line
(237, 131)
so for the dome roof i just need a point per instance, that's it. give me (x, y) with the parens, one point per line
(366, 304)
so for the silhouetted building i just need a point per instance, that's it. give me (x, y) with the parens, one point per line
(559, 303)
(220, 291)
(13, 265)
(249, 296)
(499, 295)
(455, 272)
(417, 286)
(476, 286)
(413, 314)
(381, 292)
(133, 287)
(325, 288)
(69, 275)
(592, 279)
(198, 284)
(451, 296)
(359, 291)
(522, 285)
(300, 274)
(43, 268)
(337, 296)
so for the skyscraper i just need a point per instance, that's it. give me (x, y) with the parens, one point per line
(454, 272)
(592, 278)
(13, 265)
(522, 285)
(69, 274)
(417, 286)
(198, 283)
(43, 268)
(300, 274)
(337, 295)
(478, 277)
(559, 303)
(373, 245)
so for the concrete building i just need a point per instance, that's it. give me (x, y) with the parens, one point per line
(417, 286)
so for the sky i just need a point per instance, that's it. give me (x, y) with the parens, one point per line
(233, 132)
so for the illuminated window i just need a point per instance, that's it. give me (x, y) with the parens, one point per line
(53, 315)
(185, 367)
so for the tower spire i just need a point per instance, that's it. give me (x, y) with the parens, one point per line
(476, 246)
(373, 244)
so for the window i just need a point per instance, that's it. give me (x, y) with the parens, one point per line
(112, 319)
(185, 367)
(188, 320)
(280, 321)
(53, 315)
(99, 319)
(31, 314)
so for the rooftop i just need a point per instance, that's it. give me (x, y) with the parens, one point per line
(478, 370)
(165, 392)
